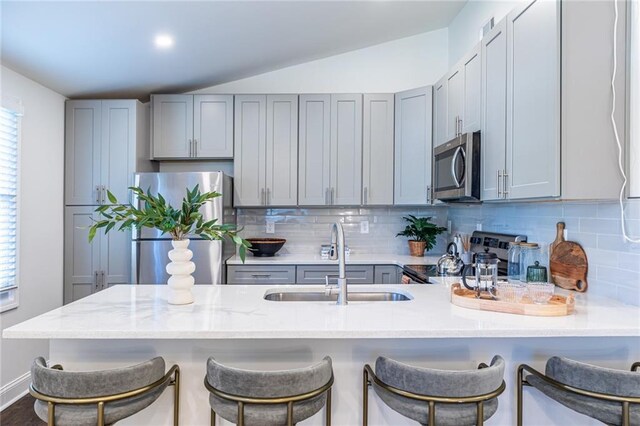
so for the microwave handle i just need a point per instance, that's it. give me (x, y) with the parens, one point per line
(453, 167)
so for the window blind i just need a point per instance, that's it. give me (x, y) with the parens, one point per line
(8, 205)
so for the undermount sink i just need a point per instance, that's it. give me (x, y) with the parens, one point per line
(353, 296)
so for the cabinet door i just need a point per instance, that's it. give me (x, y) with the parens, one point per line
(252, 274)
(413, 152)
(455, 90)
(533, 95)
(377, 150)
(346, 150)
(82, 152)
(282, 150)
(81, 258)
(494, 111)
(387, 274)
(471, 102)
(250, 150)
(118, 147)
(115, 258)
(172, 135)
(314, 139)
(316, 274)
(440, 113)
(213, 126)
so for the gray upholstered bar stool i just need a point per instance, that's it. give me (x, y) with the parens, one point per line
(283, 397)
(436, 397)
(608, 395)
(99, 397)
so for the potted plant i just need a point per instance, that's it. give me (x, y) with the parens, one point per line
(156, 213)
(421, 233)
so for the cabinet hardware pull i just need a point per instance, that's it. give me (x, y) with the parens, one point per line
(95, 278)
(428, 194)
(97, 194)
(104, 194)
(268, 196)
(190, 148)
(260, 275)
(366, 195)
(498, 181)
(326, 197)
(262, 199)
(505, 192)
(332, 199)
(102, 280)
(195, 147)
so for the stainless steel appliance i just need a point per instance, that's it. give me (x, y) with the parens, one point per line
(150, 247)
(456, 169)
(418, 274)
(496, 243)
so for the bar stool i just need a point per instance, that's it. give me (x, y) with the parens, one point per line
(99, 397)
(601, 393)
(436, 397)
(280, 397)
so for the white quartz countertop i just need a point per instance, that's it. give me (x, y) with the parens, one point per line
(240, 312)
(354, 259)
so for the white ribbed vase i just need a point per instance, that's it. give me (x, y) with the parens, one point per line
(180, 268)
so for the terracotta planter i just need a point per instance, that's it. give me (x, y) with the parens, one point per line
(416, 248)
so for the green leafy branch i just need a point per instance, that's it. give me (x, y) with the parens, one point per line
(421, 229)
(156, 213)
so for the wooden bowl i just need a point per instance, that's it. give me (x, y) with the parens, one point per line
(265, 247)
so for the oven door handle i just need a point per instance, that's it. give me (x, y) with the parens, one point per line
(454, 161)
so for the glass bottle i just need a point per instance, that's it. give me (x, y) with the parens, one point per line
(513, 262)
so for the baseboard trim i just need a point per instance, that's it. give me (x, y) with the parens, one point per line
(14, 390)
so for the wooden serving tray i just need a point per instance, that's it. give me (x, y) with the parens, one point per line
(557, 306)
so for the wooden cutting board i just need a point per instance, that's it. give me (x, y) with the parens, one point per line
(568, 263)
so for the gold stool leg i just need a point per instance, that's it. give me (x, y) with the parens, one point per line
(176, 397)
(432, 413)
(519, 396)
(480, 414)
(365, 397)
(290, 413)
(328, 408)
(51, 414)
(100, 413)
(625, 414)
(213, 418)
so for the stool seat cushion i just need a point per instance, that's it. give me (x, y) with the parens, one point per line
(443, 383)
(69, 384)
(267, 384)
(590, 378)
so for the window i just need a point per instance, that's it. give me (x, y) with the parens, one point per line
(9, 137)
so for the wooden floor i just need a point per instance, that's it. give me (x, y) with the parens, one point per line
(21, 413)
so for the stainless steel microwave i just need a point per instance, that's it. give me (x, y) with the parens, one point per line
(456, 169)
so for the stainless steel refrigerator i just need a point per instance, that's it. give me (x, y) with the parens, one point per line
(150, 247)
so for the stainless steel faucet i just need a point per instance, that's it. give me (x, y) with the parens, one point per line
(337, 253)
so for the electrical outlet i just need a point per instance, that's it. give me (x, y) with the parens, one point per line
(449, 227)
(271, 227)
(478, 227)
(364, 227)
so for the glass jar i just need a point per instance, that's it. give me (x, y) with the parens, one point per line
(513, 262)
(534, 256)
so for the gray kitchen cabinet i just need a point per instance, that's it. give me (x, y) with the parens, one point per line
(413, 147)
(387, 274)
(105, 143)
(346, 150)
(533, 99)
(260, 274)
(266, 150)
(455, 97)
(91, 267)
(314, 134)
(471, 93)
(330, 159)
(440, 112)
(315, 274)
(377, 149)
(494, 112)
(189, 127)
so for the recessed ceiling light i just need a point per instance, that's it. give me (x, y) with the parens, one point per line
(163, 41)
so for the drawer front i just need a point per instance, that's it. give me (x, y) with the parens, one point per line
(314, 274)
(387, 274)
(248, 274)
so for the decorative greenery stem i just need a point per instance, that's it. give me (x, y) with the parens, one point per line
(157, 213)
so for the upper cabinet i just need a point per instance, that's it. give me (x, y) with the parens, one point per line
(192, 126)
(377, 149)
(266, 150)
(105, 143)
(330, 158)
(521, 105)
(458, 99)
(413, 147)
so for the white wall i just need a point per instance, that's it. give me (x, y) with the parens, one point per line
(389, 67)
(40, 221)
(465, 28)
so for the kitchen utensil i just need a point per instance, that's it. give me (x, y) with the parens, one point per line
(265, 247)
(557, 306)
(536, 272)
(450, 263)
(486, 267)
(559, 237)
(568, 264)
(540, 292)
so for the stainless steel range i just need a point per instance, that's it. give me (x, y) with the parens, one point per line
(495, 243)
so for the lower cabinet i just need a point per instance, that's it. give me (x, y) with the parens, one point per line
(311, 274)
(91, 267)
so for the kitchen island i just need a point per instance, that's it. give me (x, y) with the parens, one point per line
(127, 324)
